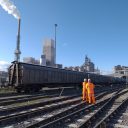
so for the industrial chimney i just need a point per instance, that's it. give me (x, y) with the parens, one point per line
(17, 51)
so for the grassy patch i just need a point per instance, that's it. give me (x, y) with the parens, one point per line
(6, 90)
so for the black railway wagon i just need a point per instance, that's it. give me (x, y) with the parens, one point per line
(30, 77)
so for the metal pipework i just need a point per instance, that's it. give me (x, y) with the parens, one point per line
(17, 51)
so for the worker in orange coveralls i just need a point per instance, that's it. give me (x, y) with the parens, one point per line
(90, 89)
(84, 91)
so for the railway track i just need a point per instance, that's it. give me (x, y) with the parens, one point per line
(34, 119)
(19, 113)
(18, 100)
(42, 113)
(47, 93)
(21, 99)
(118, 118)
(64, 119)
(101, 115)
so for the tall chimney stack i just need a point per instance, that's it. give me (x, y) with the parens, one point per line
(17, 51)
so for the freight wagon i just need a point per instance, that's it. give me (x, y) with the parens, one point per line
(29, 77)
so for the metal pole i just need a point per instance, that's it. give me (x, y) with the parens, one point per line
(55, 42)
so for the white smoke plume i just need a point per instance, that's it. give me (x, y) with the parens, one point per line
(10, 8)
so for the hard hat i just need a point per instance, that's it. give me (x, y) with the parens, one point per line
(85, 79)
(89, 80)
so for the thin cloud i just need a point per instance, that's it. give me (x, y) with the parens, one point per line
(64, 44)
(4, 65)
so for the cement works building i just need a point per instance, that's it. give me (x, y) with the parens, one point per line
(3, 78)
(121, 71)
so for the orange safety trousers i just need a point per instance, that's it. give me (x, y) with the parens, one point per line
(91, 98)
(84, 93)
(90, 89)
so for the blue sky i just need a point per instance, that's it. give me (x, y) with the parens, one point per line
(97, 28)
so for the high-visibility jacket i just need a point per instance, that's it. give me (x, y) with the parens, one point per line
(84, 91)
(90, 88)
(84, 84)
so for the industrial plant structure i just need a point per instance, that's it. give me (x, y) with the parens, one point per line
(49, 52)
(87, 66)
(121, 71)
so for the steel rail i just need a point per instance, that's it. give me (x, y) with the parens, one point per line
(21, 116)
(9, 102)
(58, 117)
(90, 121)
(110, 115)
